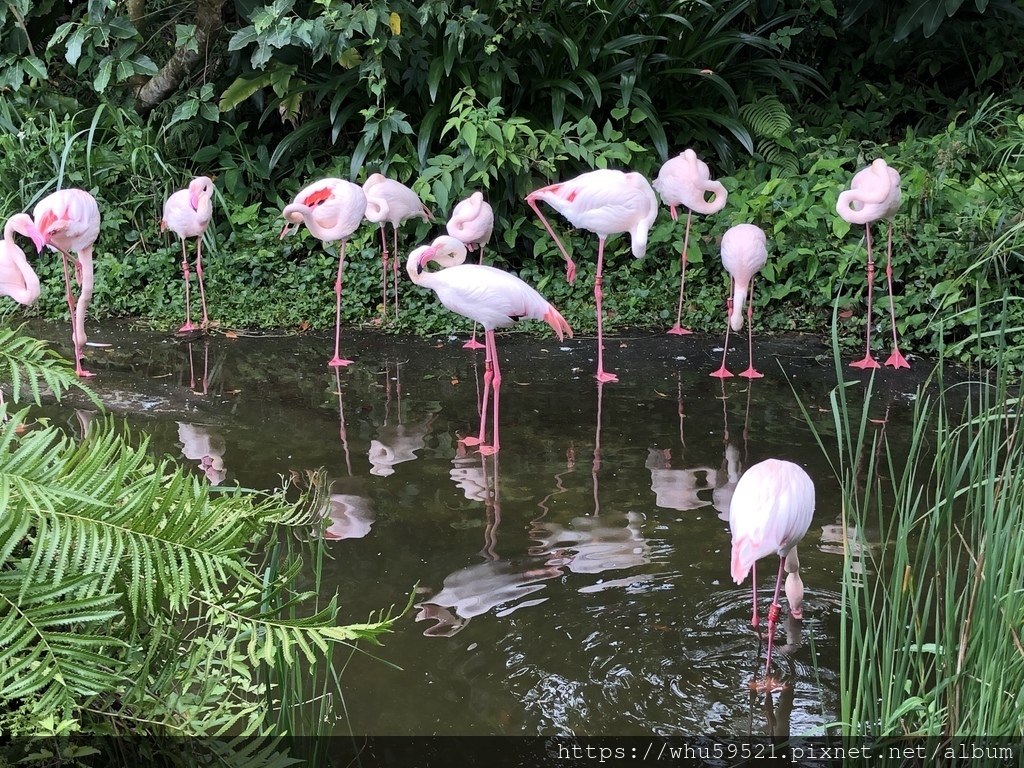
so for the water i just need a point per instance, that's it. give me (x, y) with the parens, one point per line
(578, 581)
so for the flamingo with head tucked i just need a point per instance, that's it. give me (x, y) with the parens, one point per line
(17, 278)
(770, 512)
(472, 222)
(391, 202)
(686, 180)
(332, 209)
(875, 194)
(606, 202)
(491, 297)
(187, 213)
(744, 252)
(69, 220)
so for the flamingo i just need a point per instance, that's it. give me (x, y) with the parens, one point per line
(391, 202)
(69, 220)
(493, 298)
(606, 202)
(187, 213)
(472, 222)
(743, 254)
(686, 180)
(875, 194)
(332, 209)
(17, 278)
(771, 510)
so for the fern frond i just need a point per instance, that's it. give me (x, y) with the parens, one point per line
(767, 117)
(779, 156)
(28, 360)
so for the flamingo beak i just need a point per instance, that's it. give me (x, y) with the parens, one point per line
(425, 257)
(38, 238)
(284, 232)
(193, 200)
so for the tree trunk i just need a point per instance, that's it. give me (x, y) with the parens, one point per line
(209, 23)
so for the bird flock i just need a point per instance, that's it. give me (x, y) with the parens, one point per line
(773, 502)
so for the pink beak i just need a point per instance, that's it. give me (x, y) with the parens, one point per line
(193, 200)
(284, 231)
(37, 237)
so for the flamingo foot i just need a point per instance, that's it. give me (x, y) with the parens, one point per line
(750, 373)
(678, 330)
(722, 373)
(186, 328)
(896, 360)
(604, 377)
(337, 362)
(796, 614)
(769, 684)
(473, 344)
(487, 450)
(470, 441)
(82, 373)
(867, 362)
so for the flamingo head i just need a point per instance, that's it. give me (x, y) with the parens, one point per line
(419, 259)
(22, 222)
(292, 219)
(201, 185)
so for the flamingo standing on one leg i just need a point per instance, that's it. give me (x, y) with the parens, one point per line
(493, 298)
(743, 254)
(391, 202)
(770, 511)
(686, 180)
(472, 222)
(187, 213)
(606, 202)
(332, 209)
(875, 194)
(69, 220)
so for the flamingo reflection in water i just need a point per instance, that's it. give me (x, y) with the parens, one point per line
(479, 588)
(732, 464)
(349, 515)
(674, 486)
(205, 445)
(397, 443)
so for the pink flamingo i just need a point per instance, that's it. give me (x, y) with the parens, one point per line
(686, 180)
(472, 222)
(69, 220)
(187, 213)
(770, 511)
(17, 278)
(606, 203)
(743, 254)
(332, 209)
(875, 194)
(493, 298)
(391, 202)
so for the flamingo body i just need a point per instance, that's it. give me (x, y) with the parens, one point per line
(472, 222)
(332, 209)
(744, 253)
(770, 512)
(17, 278)
(187, 213)
(69, 220)
(489, 296)
(686, 180)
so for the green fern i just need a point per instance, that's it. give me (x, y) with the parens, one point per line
(24, 359)
(767, 117)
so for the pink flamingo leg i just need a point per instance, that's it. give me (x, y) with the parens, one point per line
(773, 615)
(337, 359)
(184, 265)
(750, 373)
(723, 372)
(678, 329)
(602, 376)
(73, 306)
(755, 620)
(488, 377)
(896, 360)
(868, 361)
(473, 343)
(199, 277)
(570, 267)
(394, 267)
(492, 350)
(384, 269)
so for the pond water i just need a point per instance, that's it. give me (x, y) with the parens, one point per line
(577, 581)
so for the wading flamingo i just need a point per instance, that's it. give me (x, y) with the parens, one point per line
(69, 220)
(875, 194)
(606, 203)
(391, 202)
(472, 222)
(187, 213)
(770, 512)
(493, 298)
(743, 254)
(686, 180)
(17, 278)
(332, 209)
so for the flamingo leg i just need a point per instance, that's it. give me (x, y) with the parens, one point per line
(394, 268)
(337, 359)
(755, 620)
(488, 377)
(602, 376)
(77, 339)
(570, 266)
(492, 350)
(384, 269)
(773, 615)
(868, 361)
(723, 372)
(750, 373)
(896, 360)
(473, 343)
(678, 329)
(199, 277)
(184, 266)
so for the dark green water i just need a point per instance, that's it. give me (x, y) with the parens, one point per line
(576, 582)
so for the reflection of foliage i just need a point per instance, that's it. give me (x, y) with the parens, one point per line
(130, 594)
